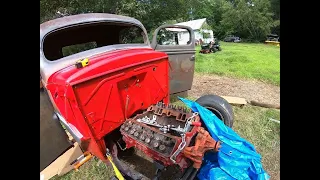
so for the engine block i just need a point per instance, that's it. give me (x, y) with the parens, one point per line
(162, 132)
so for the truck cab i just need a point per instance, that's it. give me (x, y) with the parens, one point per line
(99, 69)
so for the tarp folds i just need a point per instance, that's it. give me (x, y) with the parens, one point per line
(237, 158)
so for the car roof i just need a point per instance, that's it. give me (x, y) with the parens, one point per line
(65, 21)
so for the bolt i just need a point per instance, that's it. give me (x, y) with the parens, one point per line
(157, 137)
(136, 134)
(147, 140)
(142, 137)
(132, 131)
(126, 128)
(156, 144)
(162, 147)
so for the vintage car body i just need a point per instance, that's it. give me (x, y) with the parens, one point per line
(120, 80)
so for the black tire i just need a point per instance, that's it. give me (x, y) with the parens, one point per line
(219, 106)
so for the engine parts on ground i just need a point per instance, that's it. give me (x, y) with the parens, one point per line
(204, 142)
(164, 132)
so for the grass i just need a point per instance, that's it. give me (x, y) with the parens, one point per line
(252, 124)
(242, 60)
(94, 169)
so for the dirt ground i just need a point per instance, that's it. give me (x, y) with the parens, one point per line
(225, 86)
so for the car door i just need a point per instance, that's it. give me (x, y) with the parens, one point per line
(179, 43)
(53, 139)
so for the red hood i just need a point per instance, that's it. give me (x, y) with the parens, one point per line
(82, 95)
(105, 63)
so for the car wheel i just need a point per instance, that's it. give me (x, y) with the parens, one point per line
(218, 106)
(214, 50)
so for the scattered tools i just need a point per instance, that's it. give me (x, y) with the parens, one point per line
(180, 148)
(166, 128)
(189, 122)
(86, 156)
(82, 63)
(183, 135)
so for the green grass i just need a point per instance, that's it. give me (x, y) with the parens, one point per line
(94, 169)
(252, 123)
(242, 60)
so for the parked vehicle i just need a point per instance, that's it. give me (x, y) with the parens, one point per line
(211, 47)
(232, 38)
(273, 39)
(100, 70)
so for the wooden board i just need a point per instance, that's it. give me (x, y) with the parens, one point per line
(61, 165)
(235, 100)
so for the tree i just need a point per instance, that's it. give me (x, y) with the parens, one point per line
(251, 21)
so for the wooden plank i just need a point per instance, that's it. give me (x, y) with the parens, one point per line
(61, 165)
(235, 100)
(260, 104)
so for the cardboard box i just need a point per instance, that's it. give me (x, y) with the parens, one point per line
(61, 165)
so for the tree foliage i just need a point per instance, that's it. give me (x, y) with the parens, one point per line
(249, 19)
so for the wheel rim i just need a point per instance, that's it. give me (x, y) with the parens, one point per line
(216, 112)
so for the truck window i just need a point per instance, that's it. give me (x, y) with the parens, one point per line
(84, 37)
(131, 35)
(69, 50)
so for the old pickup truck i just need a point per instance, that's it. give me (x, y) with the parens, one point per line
(100, 74)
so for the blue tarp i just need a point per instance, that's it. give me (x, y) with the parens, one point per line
(237, 158)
